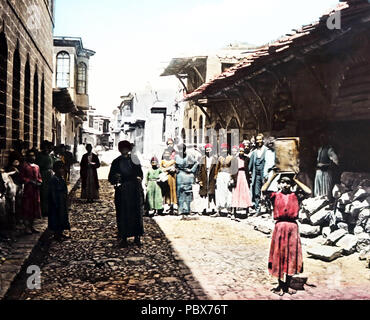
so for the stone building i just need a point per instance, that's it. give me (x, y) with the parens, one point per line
(96, 130)
(70, 90)
(312, 81)
(26, 72)
(129, 123)
(192, 72)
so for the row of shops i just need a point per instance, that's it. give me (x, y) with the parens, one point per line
(314, 81)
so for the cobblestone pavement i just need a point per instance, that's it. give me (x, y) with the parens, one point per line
(229, 259)
(92, 265)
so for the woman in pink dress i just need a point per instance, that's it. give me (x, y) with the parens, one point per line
(241, 197)
(31, 205)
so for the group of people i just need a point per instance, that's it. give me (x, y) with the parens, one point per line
(285, 258)
(40, 179)
(227, 182)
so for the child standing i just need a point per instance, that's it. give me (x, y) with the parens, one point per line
(286, 252)
(58, 207)
(154, 192)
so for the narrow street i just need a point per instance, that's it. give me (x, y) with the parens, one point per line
(92, 266)
(203, 258)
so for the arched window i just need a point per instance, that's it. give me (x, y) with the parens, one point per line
(81, 78)
(63, 69)
(27, 103)
(35, 108)
(16, 94)
(3, 82)
(42, 108)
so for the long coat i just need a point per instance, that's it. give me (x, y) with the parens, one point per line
(45, 163)
(208, 181)
(31, 206)
(84, 166)
(252, 165)
(58, 205)
(129, 196)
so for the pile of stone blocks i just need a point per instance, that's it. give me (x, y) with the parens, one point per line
(345, 224)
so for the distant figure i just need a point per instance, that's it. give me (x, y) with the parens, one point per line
(241, 198)
(223, 180)
(45, 162)
(168, 166)
(187, 168)
(326, 159)
(68, 160)
(270, 158)
(58, 220)
(89, 175)
(257, 167)
(31, 177)
(207, 180)
(154, 193)
(171, 148)
(126, 175)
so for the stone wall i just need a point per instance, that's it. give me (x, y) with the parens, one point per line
(27, 28)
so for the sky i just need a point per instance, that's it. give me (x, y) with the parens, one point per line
(135, 40)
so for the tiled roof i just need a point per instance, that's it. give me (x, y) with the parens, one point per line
(257, 59)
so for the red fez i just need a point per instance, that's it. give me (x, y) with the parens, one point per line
(125, 144)
(235, 147)
(208, 146)
(154, 159)
(241, 146)
(224, 146)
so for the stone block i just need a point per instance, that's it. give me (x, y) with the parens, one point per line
(367, 226)
(363, 241)
(312, 205)
(358, 230)
(325, 253)
(363, 217)
(264, 226)
(361, 194)
(321, 217)
(302, 216)
(306, 230)
(348, 243)
(335, 236)
(343, 225)
(338, 190)
(326, 232)
(345, 198)
(339, 216)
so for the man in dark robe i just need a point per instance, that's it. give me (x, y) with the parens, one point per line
(45, 162)
(89, 175)
(126, 175)
(58, 220)
(207, 179)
